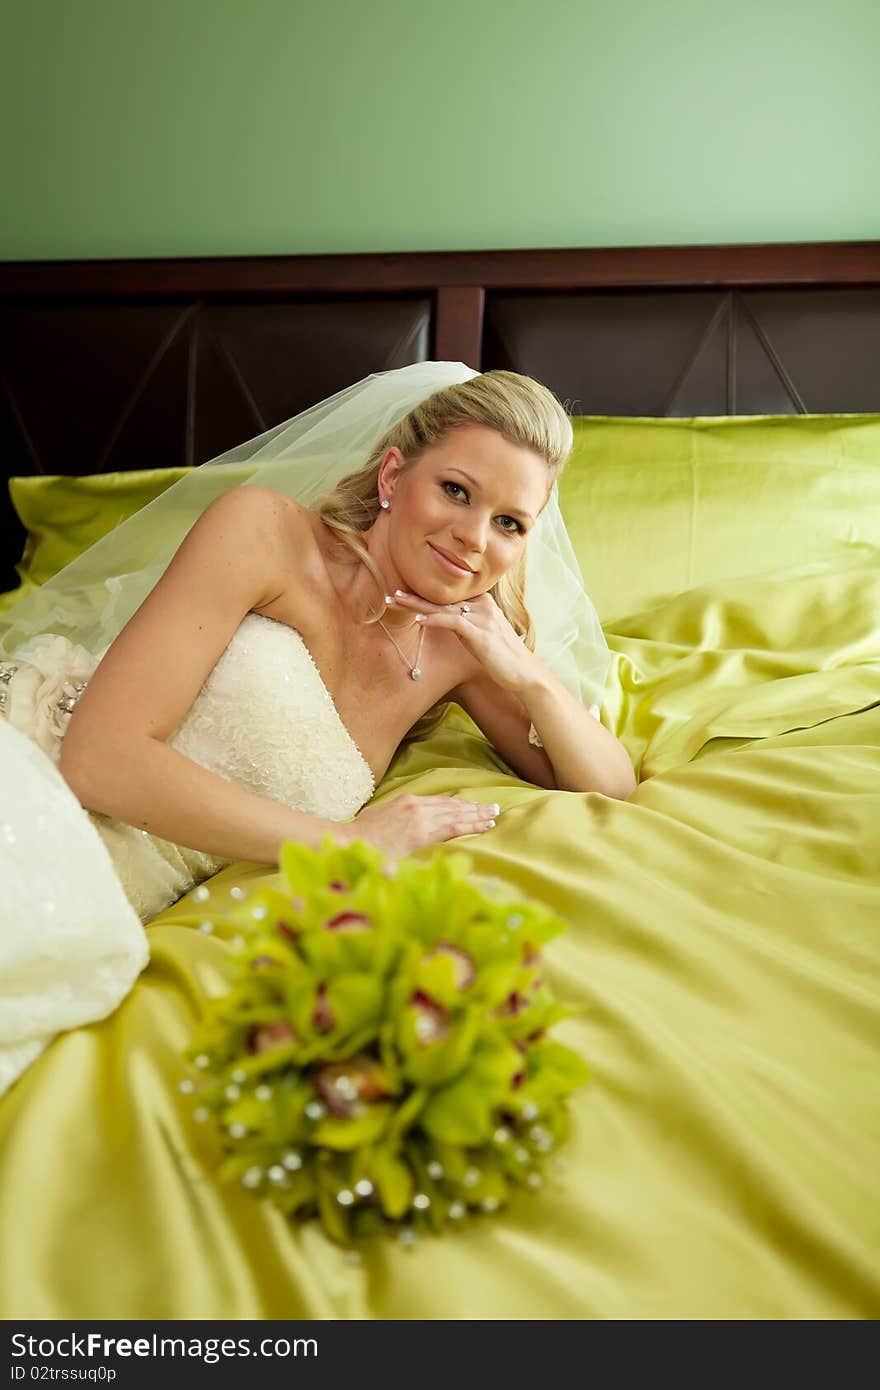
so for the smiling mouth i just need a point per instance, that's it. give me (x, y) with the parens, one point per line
(447, 563)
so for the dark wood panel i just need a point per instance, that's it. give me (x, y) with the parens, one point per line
(779, 263)
(693, 351)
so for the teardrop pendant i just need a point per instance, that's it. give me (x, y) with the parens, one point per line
(414, 671)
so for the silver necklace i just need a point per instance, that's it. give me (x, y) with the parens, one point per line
(414, 671)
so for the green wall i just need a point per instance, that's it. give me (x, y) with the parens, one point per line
(258, 127)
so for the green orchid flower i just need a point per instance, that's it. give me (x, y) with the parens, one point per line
(381, 1057)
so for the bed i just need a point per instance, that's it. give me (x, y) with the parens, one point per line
(722, 923)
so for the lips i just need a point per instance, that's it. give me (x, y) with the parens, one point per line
(452, 559)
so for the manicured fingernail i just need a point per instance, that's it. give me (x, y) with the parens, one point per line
(421, 617)
(495, 809)
(400, 593)
(389, 598)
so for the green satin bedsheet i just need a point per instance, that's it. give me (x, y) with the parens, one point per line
(724, 939)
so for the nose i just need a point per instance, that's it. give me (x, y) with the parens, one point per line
(471, 534)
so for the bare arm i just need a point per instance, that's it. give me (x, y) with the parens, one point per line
(585, 755)
(504, 720)
(114, 756)
(579, 753)
(147, 784)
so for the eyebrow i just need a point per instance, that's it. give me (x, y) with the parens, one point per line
(511, 511)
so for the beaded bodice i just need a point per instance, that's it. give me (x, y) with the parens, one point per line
(265, 719)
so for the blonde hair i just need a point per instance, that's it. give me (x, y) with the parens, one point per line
(523, 411)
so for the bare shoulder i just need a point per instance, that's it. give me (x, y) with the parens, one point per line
(290, 516)
(280, 524)
(252, 500)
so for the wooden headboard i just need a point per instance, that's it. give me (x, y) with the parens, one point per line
(109, 365)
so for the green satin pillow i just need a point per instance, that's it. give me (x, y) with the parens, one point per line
(658, 506)
(64, 515)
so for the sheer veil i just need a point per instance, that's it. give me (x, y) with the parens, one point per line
(92, 598)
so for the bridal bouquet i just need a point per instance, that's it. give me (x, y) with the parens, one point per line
(381, 1059)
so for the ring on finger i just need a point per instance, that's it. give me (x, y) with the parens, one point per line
(465, 607)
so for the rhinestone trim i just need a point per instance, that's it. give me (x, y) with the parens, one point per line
(7, 671)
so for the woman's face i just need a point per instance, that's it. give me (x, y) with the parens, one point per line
(474, 497)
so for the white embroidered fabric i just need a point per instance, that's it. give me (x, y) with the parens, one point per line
(77, 885)
(265, 719)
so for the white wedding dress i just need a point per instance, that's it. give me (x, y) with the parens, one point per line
(76, 887)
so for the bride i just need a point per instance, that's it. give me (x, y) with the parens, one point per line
(250, 680)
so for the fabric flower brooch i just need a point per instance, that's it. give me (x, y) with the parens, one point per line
(381, 1059)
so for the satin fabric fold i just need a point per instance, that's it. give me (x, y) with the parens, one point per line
(723, 939)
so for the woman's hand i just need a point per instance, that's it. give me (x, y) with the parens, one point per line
(483, 629)
(410, 822)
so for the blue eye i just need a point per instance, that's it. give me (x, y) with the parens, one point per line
(516, 525)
